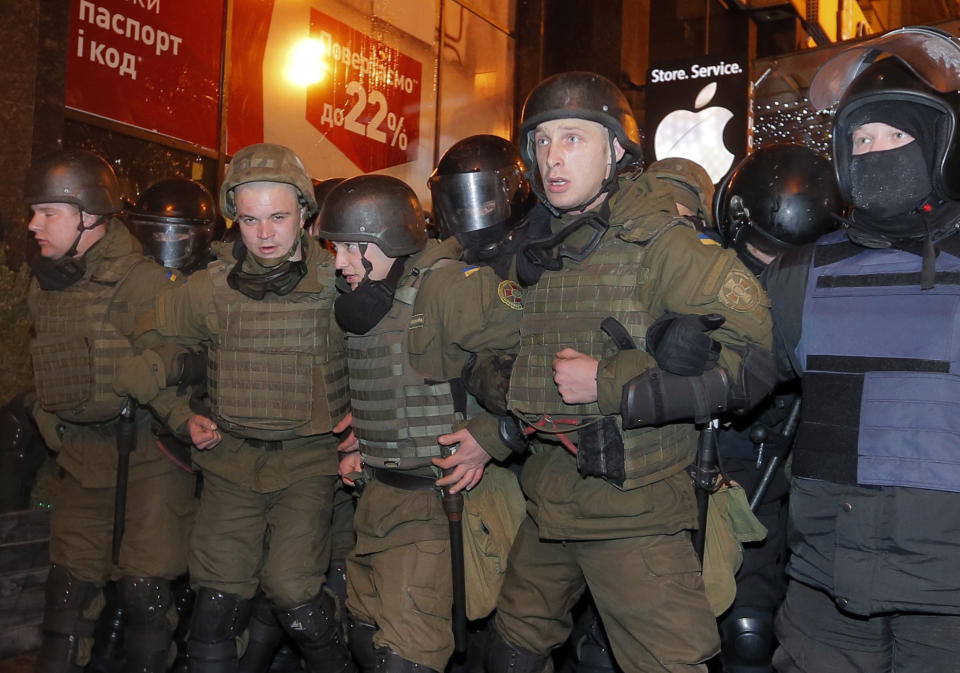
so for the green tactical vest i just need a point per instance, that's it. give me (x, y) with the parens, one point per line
(275, 371)
(397, 414)
(76, 348)
(565, 308)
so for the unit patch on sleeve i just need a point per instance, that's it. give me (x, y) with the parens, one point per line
(739, 292)
(416, 320)
(510, 294)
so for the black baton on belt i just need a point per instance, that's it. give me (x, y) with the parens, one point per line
(786, 439)
(453, 507)
(126, 443)
(704, 472)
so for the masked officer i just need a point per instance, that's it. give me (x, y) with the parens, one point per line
(277, 385)
(777, 199)
(174, 221)
(91, 282)
(867, 319)
(610, 505)
(413, 316)
(480, 195)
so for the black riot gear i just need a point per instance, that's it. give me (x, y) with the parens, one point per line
(579, 95)
(174, 221)
(779, 197)
(375, 209)
(479, 194)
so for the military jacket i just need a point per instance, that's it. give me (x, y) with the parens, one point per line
(458, 310)
(647, 263)
(276, 371)
(82, 331)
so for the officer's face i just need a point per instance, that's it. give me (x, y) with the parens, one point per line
(55, 227)
(350, 262)
(573, 156)
(878, 137)
(270, 218)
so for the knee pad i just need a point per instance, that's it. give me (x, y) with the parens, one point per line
(315, 626)
(218, 616)
(389, 661)
(65, 599)
(747, 641)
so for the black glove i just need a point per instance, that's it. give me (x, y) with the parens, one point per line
(680, 345)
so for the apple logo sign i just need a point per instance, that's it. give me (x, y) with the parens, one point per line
(697, 136)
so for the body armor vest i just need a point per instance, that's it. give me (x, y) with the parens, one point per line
(565, 309)
(276, 370)
(397, 414)
(76, 348)
(881, 361)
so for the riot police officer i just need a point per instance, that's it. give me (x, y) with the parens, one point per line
(91, 282)
(413, 316)
(777, 199)
(613, 248)
(174, 221)
(866, 317)
(277, 385)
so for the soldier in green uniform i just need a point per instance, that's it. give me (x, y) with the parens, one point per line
(277, 385)
(610, 503)
(91, 282)
(414, 315)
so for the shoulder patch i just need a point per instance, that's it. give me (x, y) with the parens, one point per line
(707, 239)
(510, 294)
(739, 291)
(416, 320)
(470, 270)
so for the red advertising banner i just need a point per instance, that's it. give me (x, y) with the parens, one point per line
(368, 102)
(153, 64)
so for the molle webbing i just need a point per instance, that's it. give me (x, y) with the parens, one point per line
(77, 347)
(565, 309)
(396, 412)
(276, 371)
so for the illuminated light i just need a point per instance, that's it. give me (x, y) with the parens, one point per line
(307, 62)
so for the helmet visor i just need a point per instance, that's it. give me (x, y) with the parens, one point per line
(932, 55)
(466, 202)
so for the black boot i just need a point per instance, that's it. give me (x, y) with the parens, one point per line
(183, 598)
(389, 661)
(264, 633)
(360, 638)
(315, 626)
(218, 619)
(66, 599)
(147, 629)
(505, 657)
(747, 641)
(107, 655)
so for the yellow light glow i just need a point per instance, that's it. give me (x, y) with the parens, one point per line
(307, 62)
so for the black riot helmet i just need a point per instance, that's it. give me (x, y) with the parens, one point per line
(174, 221)
(779, 197)
(479, 193)
(377, 209)
(916, 70)
(579, 95)
(77, 177)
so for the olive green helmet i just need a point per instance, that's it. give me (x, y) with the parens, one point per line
(375, 209)
(690, 182)
(266, 162)
(77, 177)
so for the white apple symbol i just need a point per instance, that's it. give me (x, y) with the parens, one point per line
(697, 136)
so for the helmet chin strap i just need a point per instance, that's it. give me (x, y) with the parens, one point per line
(81, 228)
